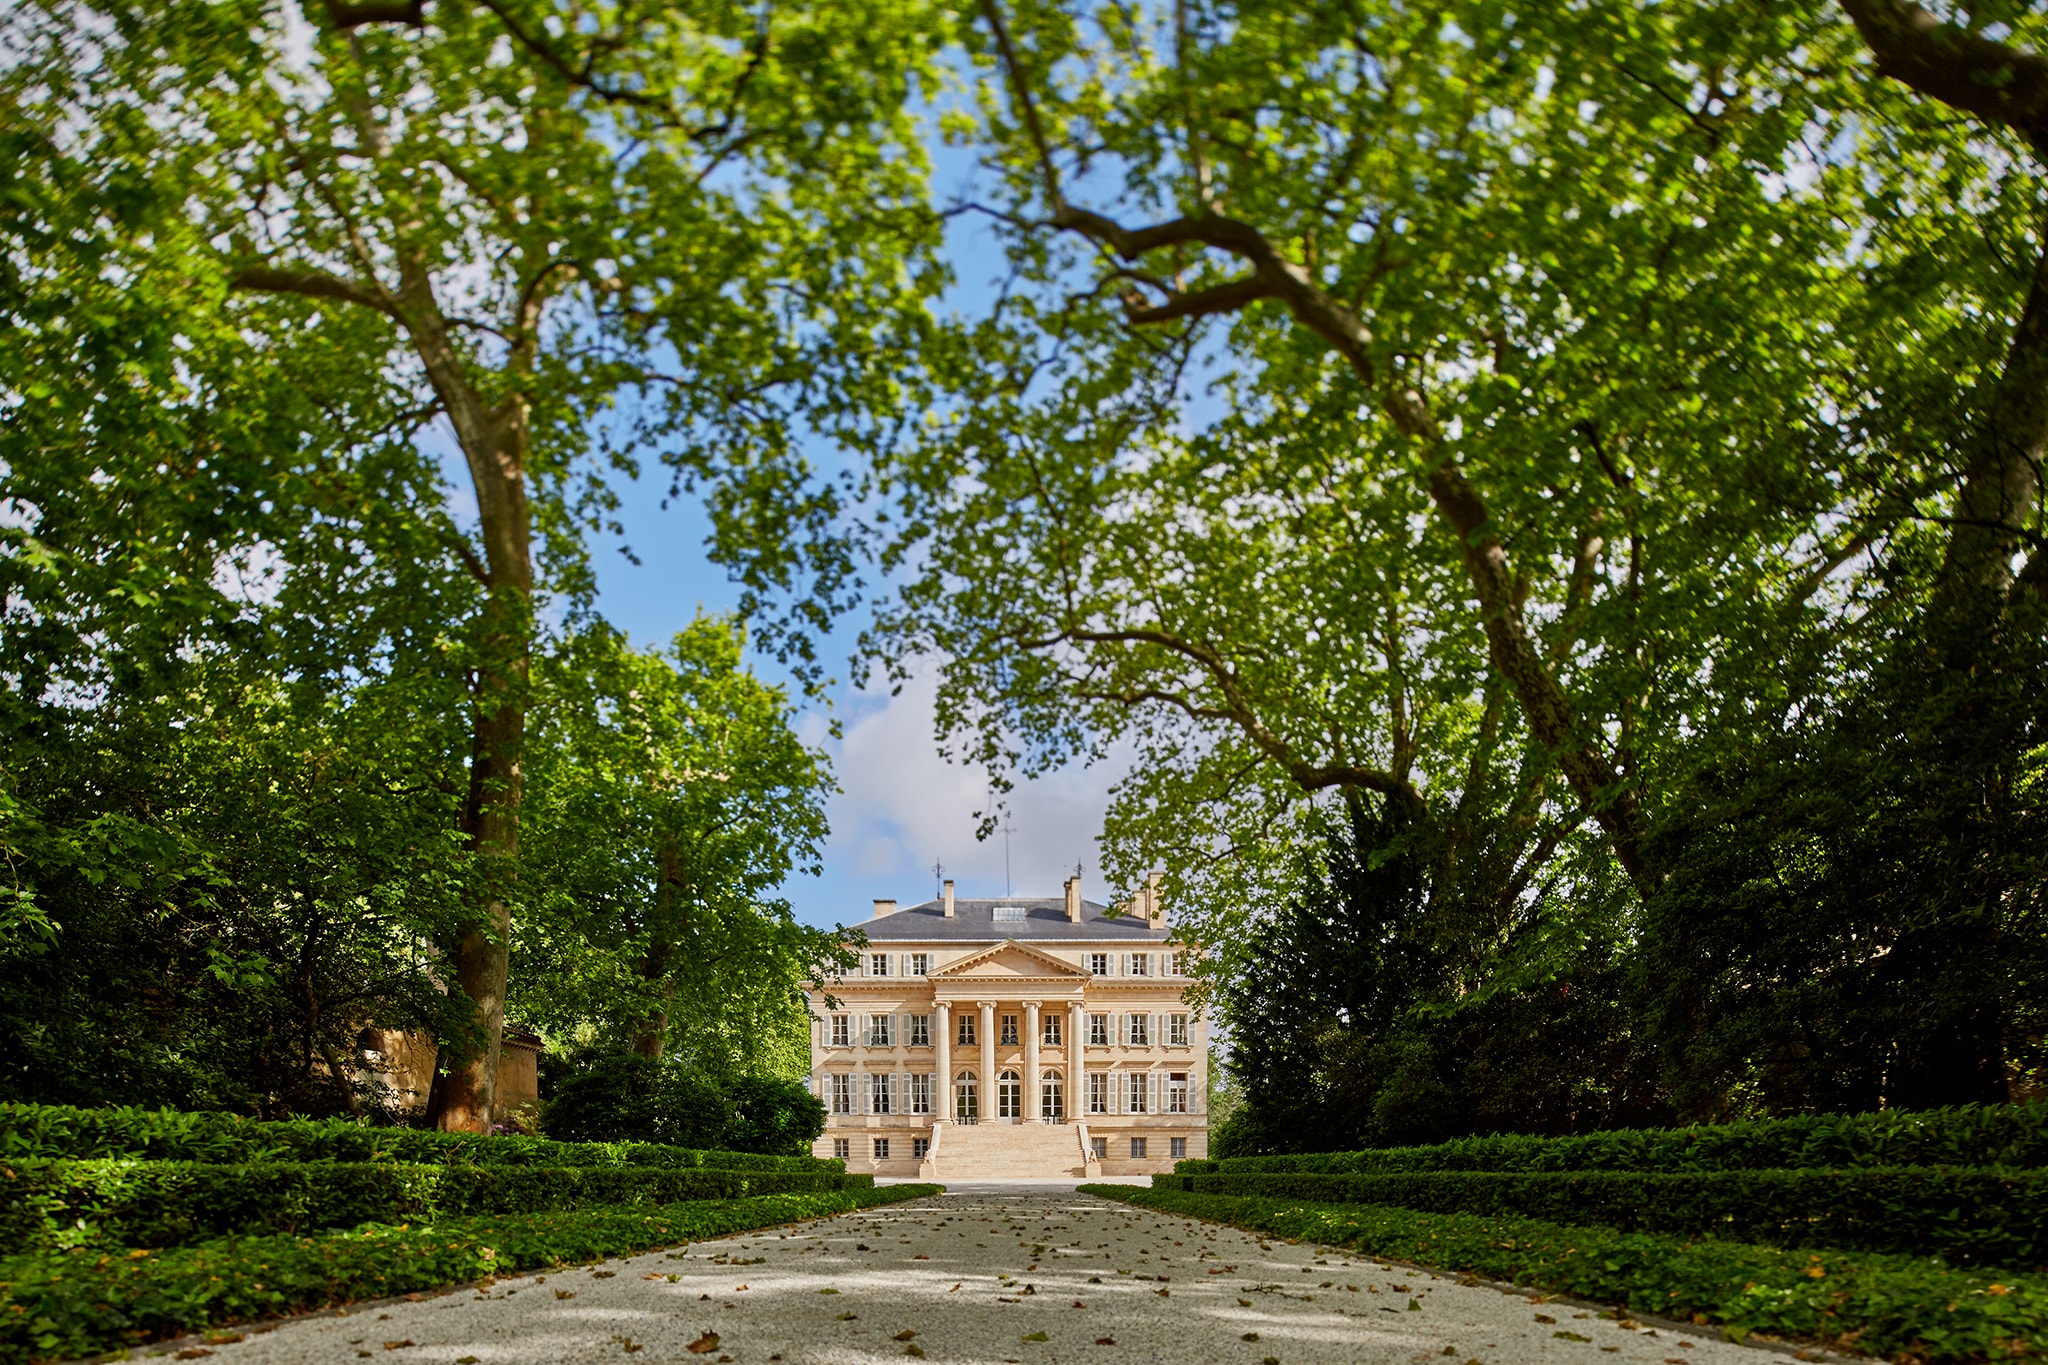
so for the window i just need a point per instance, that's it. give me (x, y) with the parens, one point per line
(1137, 1146)
(842, 1092)
(1138, 1030)
(921, 1030)
(966, 1097)
(881, 1030)
(842, 1030)
(1136, 1093)
(882, 1094)
(842, 1148)
(921, 1093)
(1098, 1092)
(920, 964)
(1052, 1097)
(1049, 1030)
(966, 1030)
(881, 1149)
(1009, 1096)
(920, 1146)
(1008, 914)
(1009, 1030)
(1177, 1093)
(878, 964)
(1098, 1030)
(1177, 1030)
(1101, 1146)
(1098, 964)
(1177, 1148)
(1138, 964)
(1178, 966)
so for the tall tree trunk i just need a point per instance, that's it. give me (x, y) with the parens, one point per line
(660, 948)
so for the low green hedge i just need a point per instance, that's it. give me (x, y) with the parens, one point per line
(1886, 1305)
(2008, 1135)
(56, 1305)
(56, 1131)
(1977, 1217)
(56, 1204)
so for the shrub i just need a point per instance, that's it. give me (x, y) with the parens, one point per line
(773, 1116)
(1969, 1216)
(622, 1096)
(156, 1204)
(53, 1131)
(59, 1305)
(2005, 1135)
(1887, 1305)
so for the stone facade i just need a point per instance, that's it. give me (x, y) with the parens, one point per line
(1012, 1014)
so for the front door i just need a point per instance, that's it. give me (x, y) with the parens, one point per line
(966, 1102)
(1052, 1100)
(1009, 1096)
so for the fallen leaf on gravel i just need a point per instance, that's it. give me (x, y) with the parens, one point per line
(1251, 1336)
(904, 1335)
(192, 1353)
(1105, 1341)
(223, 1338)
(1164, 1293)
(920, 1258)
(652, 1275)
(1079, 1304)
(1032, 1336)
(828, 1291)
(703, 1345)
(466, 1360)
(397, 1345)
(602, 1274)
(1415, 1306)
(1570, 1336)
(565, 1293)
(913, 1349)
(1244, 1303)
(849, 1317)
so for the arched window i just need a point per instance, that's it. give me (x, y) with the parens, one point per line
(1009, 1096)
(966, 1098)
(1052, 1098)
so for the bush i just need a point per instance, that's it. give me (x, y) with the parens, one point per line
(56, 1131)
(2005, 1135)
(60, 1305)
(1969, 1216)
(625, 1097)
(156, 1204)
(1887, 1305)
(774, 1116)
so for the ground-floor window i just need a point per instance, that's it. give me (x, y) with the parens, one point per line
(1179, 1147)
(881, 1149)
(1101, 1146)
(919, 1147)
(1137, 1147)
(842, 1148)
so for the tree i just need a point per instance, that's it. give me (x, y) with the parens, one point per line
(523, 211)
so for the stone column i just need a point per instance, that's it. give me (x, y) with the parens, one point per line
(1031, 1096)
(942, 1103)
(988, 1059)
(1077, 1072)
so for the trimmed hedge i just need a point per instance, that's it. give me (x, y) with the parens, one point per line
(56, 1204)
(1883, 1304)
(2009, 1135)
(1977, 1217)
(55, 1131)
(56, 1305)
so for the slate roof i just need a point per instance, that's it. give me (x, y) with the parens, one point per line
(974, 921)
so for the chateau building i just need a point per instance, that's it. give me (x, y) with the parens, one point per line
(1013, 1038)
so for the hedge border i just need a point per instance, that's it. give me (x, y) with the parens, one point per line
(57, 1132)
(2000, 1135)
(59, 1306)
(1875, 1303)
(62, 1205)
(1969, 1216)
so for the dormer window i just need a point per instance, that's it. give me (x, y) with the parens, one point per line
(1009, 913)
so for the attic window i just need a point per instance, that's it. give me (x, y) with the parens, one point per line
(1009, 912)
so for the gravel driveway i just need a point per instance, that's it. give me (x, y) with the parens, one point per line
(1029, 1276)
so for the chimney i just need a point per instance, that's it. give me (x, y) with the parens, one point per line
(1074, 900)
(949, 898)
(1154, 911)
(884, 908)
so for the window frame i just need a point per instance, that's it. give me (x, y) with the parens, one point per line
(881, 1030)
(878, 964)
(1050, 1029)
(920, 1031)
(842, 1031)
(1177, 1088)
(1137, 1030)
(842, 1098)
(881, 1149)
(1098, 1029)
(1176, 1030)
(919, 1099)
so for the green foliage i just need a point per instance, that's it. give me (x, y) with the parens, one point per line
(52, 1205)
(772, 1115)
(1886, 1305)
(71, 1304)
(2010, 1136)
(1965, 1217)
(49, 1132)
(626, 1097)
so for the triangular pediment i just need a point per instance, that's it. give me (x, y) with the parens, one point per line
(1008, 959)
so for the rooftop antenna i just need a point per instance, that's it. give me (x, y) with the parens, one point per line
(1009, 887)
(938, 879)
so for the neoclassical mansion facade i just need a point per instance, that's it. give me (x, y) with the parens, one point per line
(1012, 1038)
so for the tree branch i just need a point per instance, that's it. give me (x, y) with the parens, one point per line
(312, 284)
(1025, 104)
(346, 15)
(561, 67)
(1963, 70)
(1222, 298)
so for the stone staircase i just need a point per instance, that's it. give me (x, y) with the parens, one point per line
(1008, 1151)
